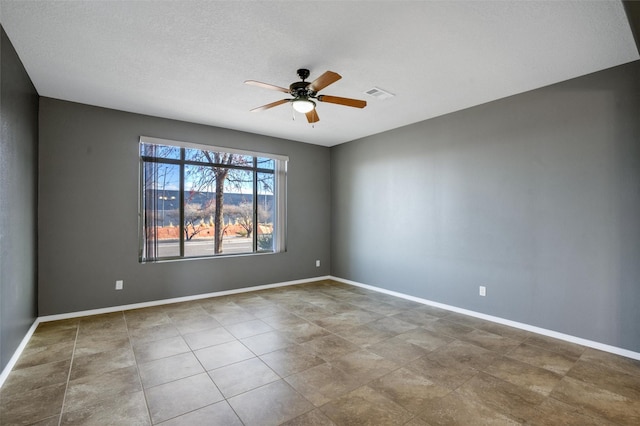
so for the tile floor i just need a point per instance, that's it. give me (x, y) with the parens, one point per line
(323, 353)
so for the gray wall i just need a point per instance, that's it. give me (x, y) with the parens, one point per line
(88, 217)
(18, 201)
(536, 196)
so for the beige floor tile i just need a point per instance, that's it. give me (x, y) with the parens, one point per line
(397, 350)
(36, 355)
(365, 406)
(606, 378)
(95, 344)
(267, 342)
(144, 318)
(242, 376)
(229, 318)
(283, 319)
(364, 365)
(553, 412)
(463, 353)
(39, 376)
(617, 362)
(101, 362)
(426, 339)
(513, 401)
(600, 402)
(168, 369)
(149, 351)
(456, 409)
(218, 356)
(202, 339)
(291, 360)
(392, 325)
(46, 335)
(151, 334)
(311, 418)
(568, 349)
(271, 404)
(329, 347)
(51, 421)
(408, 389)
(448, 328)
(181, 396)
(219, 413)
(192, 325)
(303, 332)
(416, 317)
(490, 341)
(90, 390)
(534, 355)
(248, 328)
(32, 406)
(444, 373)
(323, 383)
(533, 378)
(129, 409)
(362, 334)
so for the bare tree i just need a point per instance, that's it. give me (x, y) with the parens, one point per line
(194, 217)
(219, 176)
(243, 215)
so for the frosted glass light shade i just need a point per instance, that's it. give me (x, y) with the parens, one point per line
(303, 105)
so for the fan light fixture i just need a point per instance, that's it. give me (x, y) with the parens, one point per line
(303, 105)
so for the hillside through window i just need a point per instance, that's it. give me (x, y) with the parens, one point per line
(203, 201)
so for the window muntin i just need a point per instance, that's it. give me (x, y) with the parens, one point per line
(202, 201)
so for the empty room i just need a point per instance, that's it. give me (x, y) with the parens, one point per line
(319, 213)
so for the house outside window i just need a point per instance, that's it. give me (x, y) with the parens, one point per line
(205, 201)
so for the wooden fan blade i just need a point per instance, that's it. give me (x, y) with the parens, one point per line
(356, 103)
(266, 86)
(271, 105)
(324, 80)
(312, 116)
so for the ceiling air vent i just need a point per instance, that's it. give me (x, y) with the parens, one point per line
(378, 93)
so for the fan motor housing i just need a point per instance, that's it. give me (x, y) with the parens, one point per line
(299, 88)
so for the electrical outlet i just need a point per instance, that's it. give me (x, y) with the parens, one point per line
(317, 263)
(483, 290)
(119, 284)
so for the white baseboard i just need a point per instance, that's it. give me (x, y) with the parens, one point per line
(538, 330)
(110, 309)
(16, 355)
(522, 326)
(57, 317)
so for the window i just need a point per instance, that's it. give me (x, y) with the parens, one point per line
(205, 201)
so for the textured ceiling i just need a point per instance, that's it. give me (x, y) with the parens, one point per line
(187, 60)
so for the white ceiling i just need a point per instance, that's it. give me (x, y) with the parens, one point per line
(188, 60)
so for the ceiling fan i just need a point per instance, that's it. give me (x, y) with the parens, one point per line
(303, 92)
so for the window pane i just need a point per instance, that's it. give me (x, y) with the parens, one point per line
(159, 151)
(238, 212)
(199, 211)
(266, 163)
(162, 217)
(214, 157)
(265, 211)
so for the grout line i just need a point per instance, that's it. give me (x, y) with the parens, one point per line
(144, 394)
(73, 355)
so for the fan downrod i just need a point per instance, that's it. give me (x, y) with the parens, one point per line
(303, 73)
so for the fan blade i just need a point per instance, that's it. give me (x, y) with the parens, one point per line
(271, 105)
(356, 103)
(312, 116)
(324, 80)
(266, 86)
